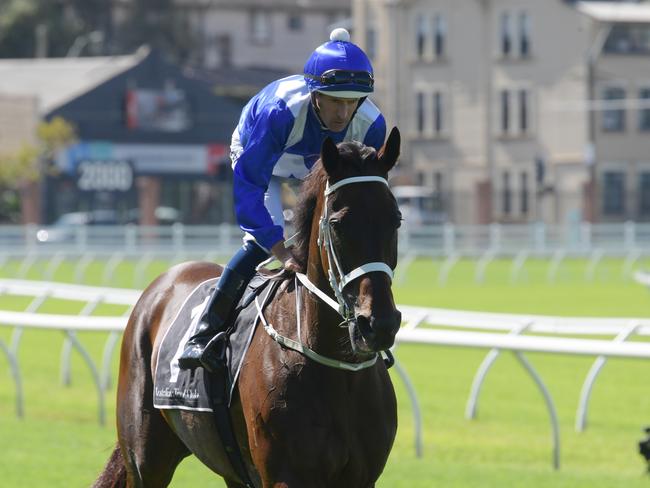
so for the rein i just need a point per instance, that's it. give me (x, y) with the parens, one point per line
(337, 280)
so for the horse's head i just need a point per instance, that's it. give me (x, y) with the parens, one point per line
(358, 238)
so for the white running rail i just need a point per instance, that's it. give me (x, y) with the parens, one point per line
(443, 327)
(68, 324)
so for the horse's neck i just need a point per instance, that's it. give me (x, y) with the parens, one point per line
(320, 325)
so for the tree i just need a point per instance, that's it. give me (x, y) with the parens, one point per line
(160, 24)
(19, 20)
(64, 21)
(24, 165)
(22, 170)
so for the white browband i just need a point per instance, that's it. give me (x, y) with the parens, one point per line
(354, 179)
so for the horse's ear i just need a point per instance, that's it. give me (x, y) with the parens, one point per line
(390, 152)
(329, 155)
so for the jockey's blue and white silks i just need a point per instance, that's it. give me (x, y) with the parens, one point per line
(279, 134)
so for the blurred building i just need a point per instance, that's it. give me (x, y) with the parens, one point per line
(515, 111)
(242, 45)
(276, 34)
(148, 135)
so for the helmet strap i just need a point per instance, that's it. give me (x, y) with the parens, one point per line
(316, 110)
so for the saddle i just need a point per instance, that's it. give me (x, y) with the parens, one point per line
(176, 388)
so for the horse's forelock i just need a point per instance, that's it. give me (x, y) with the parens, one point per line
(356, 158)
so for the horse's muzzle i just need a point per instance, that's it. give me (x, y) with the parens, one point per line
(374, 334)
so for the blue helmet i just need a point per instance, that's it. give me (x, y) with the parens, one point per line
(339, 68)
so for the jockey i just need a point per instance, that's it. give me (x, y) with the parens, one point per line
(279, 135)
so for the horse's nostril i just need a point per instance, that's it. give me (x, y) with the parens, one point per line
(364, 324)
(379, 332)
(387, 325)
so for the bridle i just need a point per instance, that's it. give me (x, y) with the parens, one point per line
(338, 280)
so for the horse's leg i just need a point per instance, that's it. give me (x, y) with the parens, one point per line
(151, 450)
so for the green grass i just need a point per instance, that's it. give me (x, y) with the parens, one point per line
(60, 444)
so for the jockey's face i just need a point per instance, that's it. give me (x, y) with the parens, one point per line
(335, 113)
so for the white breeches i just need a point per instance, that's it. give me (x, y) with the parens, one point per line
(273, 203)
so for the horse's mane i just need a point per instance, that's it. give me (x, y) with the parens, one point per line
(356, 160)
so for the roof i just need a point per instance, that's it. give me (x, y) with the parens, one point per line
(56, 81)
(237, 82)
(616, 12)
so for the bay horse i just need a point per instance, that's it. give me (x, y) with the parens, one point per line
(322, 417)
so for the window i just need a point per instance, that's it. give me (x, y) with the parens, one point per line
(505, 111)
(437, 182)
(524, 193)
(507, 194)
(421, 36)
(506, 35)
(371, 43)
(223, 47)
(644, 195)
(437, 112)
(440, 32)
(294, 22)
(419, 108)
(613, 112)
(524, 34)
(515, 112)
(628, 39)
(523, 111)
(540, 170)
(613, 193)
(260, 24)
(438, 203)
(644, 109)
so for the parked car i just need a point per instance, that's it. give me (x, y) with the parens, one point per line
(419, 205)
(65, 227)
(164, 215)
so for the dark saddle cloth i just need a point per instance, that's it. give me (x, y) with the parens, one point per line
(176, 388)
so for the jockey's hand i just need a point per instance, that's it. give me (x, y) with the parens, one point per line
(285, 256)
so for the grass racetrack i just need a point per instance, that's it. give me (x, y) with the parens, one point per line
(59, 442)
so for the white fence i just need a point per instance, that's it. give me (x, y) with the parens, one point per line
(448, 244)
(536, 239)
(68, 324)
(505, 334)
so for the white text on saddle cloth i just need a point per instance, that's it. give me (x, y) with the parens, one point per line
(196, 314)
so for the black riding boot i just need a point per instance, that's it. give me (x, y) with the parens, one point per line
(201, 348)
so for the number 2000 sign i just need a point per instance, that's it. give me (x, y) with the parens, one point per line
(105, 176)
